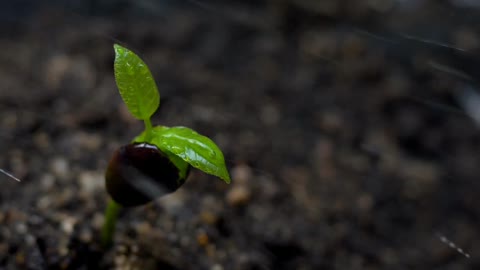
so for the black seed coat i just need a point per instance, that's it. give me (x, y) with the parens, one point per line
(138, 173)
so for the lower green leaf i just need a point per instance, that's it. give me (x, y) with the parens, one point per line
(195, 149)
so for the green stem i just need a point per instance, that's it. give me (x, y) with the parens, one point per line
(111, 214)
(148, 129)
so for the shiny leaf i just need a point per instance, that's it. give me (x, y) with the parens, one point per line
(135, 83)
(199, 151)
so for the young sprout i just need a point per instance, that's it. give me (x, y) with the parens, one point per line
(157, 161)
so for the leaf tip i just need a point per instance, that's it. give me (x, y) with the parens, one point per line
(119, 50)
(226, 177)
(117, 47)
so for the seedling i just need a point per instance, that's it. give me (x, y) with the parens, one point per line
(157, 161)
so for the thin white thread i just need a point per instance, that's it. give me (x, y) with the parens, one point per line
(10, 175)
(452, 245)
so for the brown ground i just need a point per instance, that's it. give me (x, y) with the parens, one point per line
(347, 151)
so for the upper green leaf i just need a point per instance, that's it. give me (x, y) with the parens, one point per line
(199, 151)
(135, 83)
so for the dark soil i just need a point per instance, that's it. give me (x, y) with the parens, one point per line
(351, 144)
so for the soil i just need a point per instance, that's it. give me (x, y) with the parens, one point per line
(350, 129)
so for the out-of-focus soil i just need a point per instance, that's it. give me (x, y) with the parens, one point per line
(347, 140)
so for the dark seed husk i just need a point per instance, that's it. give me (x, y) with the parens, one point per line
(139, 173)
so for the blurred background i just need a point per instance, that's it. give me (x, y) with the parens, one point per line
(350, 129)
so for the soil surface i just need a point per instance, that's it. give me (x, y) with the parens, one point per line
(350, 129)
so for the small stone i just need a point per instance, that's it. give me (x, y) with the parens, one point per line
(97, 220)
(173, 203)
(87, 141)
(21, 228)
(67, 224)
(238, 195)
(34, 220)
(122, 249)
(82, 73)
(421, 177)
(41, 140)
(60, 167)
(143, 228)
(64, 197)
(323, 151)
(202, 239)
(203, 113)
(241, 174)
(47, 181)
(208, 217)
(216, 267)
(91, 181)
(211, 250)
(30, 240)
(211, 203)
(9, 120)
(63, 249)
(185, 241)
(20, 258)
(365, 202)
(133, 259)
(44, 202)
(331, 121)
(135, 249)
(55, 70)
(269, 188)
(86, 236)
(18, 165)
(120, 260)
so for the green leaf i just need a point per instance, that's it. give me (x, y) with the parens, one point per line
(199, 151)
(135, 83)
